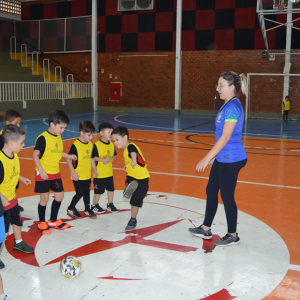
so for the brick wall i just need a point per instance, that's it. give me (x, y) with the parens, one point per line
(76, 63)
(149, 81)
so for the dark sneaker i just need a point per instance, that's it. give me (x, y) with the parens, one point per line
(2, 265)
(21, 208)
(199, 231)
(73, 213)
(22, 247)
(228, 240)
(98, 209)
(112, 208)
(90, 214)
(130, 189)
(131, 225)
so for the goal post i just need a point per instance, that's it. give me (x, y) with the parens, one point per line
(265, 94)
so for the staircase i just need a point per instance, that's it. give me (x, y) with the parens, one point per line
(38, 70)
(12, 71)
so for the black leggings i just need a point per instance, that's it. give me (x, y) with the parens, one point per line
(223, 176)
(77, 197)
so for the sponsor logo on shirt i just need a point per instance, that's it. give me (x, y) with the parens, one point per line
(219, 117)
(56, 150)
(87, 155)
(14, 173)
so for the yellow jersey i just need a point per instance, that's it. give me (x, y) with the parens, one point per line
(83, 164)
(9, 175)
(103, 150)
(51, 151)
(287, 105)
(140, 170)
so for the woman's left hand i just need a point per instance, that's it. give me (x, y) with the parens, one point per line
(202, 165)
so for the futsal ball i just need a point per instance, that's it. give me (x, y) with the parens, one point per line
(70, 266)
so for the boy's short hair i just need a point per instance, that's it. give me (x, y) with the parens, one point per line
(121, 130)
(11, 115)
(58, 117)
(105, 125)
(87, 126)
(12, 133)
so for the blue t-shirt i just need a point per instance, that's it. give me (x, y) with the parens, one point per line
(234, 150)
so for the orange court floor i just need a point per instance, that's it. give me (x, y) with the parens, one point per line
(268, 187)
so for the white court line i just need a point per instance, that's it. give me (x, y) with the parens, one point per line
(294, 267)
(200, 177)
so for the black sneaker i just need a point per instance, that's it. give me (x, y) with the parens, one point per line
(2, 265)
(112, 208)
(22, 247)
(131, 225)
(20, 208)
(199, 231)
(98, 209)
(74, 213)
(130, 189)
(228, 240)
(90, 214)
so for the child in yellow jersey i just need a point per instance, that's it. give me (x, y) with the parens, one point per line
(47, 153)
(13, 137)
(286, 108)
(81, 169)
(104, 154)
(137, 173)
(11, 117)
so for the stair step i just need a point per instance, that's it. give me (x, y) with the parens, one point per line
(5, 55)
(20, 78)
(15, 70)
(9, 62)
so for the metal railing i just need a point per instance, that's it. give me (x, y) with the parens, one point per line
(27, 91)
(25, 47)
(37, 62)
(11, 46)
(44, 68)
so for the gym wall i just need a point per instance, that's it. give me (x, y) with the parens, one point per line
(231, 27)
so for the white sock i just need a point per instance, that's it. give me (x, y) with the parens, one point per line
(2, 297)
(17, 242)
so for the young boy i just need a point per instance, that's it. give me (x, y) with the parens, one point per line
(286, 107)
(13, 137)
(2, 239)
(81, 169)
(47, 153)
(104, 154)
(11, 117)
(137, 173)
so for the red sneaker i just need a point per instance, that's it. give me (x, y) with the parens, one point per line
(44, 228)
(58, 224)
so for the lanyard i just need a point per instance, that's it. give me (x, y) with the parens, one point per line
(227, 103)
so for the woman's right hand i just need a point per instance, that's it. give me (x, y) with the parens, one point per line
(211, 162)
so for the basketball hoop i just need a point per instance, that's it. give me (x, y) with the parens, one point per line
(279, 4)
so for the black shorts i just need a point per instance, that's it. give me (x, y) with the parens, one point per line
(100, 184)
(286, 112)
(12, 216)
(82, 187)
(45, 186)
(138, 196)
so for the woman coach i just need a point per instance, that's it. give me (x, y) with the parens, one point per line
(226, 158)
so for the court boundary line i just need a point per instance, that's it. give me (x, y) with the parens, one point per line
(200, 177)
(294, 267)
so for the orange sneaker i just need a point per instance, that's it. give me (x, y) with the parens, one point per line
(44, 228)
(58, 224)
